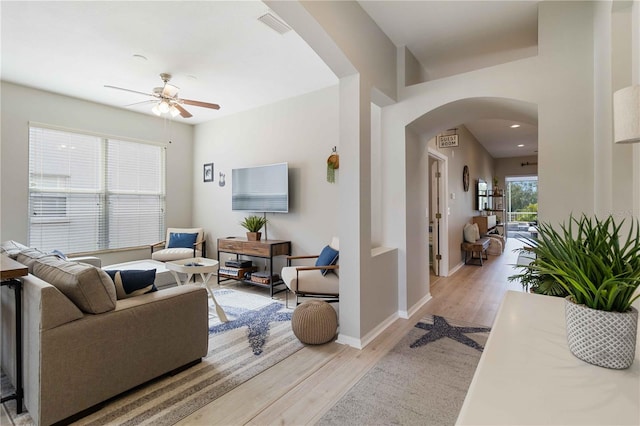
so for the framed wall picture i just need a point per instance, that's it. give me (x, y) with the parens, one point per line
(208, 172)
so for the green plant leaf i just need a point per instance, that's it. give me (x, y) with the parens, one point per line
(591, 259)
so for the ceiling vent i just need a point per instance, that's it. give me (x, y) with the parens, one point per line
(274, 23)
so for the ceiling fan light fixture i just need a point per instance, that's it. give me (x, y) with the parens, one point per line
(174, 111)
(164, 107)
(156, 110)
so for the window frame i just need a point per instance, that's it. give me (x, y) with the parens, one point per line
(102, 192)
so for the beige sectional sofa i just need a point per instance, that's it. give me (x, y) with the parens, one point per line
(82, 346)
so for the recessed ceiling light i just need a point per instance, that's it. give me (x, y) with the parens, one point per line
(515, 126)
(520, 145)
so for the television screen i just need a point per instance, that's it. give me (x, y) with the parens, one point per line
(260, 188)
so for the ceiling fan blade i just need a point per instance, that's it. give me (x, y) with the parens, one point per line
(128, 90)
(169, 90)
(183, 112)
(200, 104)
(141, 102)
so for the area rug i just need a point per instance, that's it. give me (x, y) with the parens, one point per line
(423, 380)
(257, 336)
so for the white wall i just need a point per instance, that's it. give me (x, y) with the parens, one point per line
(566, 111)
(300, 131)
(505, 167)
(560, 81)
(20, 105)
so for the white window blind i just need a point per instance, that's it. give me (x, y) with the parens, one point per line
(91, 193)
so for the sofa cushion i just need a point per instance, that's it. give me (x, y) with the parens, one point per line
(327, 257)
(167, 255)
(311, 282)
(12, 248)
(90, 288)
(29, 256)
(133, 282)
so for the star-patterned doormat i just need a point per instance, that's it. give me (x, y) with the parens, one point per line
(257, 336)
(423, 380)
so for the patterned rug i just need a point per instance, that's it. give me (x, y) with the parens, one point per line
(257, 336)
(423, 380)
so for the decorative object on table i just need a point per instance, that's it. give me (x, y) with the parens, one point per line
(496, 189)
(221, 179)
(437, 353)
(208, 172)
(333, 163)
(598, 265)
(253, 225)
(465, 178)
(314, 322)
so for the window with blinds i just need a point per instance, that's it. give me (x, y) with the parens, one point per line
(90, 193)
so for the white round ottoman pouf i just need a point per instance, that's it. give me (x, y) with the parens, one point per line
(314, 322)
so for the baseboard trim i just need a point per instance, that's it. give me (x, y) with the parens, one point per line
(370, 336)
(455, 269)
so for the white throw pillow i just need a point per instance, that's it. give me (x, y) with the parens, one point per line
(477, 231)
(470, 233)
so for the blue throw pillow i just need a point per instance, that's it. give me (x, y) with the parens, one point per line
(328, 256)
(182, 240)
(60, 254)
(133, 282)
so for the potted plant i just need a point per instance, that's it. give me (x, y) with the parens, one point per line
(253, 225)
(600, 270)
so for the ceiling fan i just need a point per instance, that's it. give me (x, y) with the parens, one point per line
(167, 100)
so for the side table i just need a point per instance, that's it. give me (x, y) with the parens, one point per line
(197, 265)
(10, 273)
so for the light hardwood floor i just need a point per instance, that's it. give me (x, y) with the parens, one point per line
(300, 389)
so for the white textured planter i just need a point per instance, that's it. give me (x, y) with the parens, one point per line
(606, 339)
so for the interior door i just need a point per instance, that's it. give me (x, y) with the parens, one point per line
(435, 216)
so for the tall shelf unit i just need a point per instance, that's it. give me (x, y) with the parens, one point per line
(492, 202)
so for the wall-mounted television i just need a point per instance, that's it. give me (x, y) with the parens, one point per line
(260, 188)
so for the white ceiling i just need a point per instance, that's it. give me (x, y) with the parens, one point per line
(218, 52)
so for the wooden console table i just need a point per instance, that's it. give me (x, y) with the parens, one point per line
(10, 273)
(265, 249)
(527, 375)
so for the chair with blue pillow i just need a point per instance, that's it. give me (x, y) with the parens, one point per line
(180, 243)
(317, 281)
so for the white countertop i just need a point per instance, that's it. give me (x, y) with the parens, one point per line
(527, 375)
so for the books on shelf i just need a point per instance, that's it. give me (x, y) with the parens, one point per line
(240, 263)
(238, 273)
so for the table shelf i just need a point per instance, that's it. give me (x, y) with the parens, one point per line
(265, 249)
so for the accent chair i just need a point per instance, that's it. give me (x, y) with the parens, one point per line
(180, 243)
